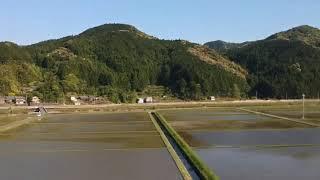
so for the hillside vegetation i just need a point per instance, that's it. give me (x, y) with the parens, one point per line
(116, 61)
(285, 64)
(222, 46)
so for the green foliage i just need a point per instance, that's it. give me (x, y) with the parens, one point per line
(10, 52)
(115, 61)
(236, 92)
(285, 64)
(221, 46)
(280, 67)
(50, 88)
(14, 76)
(305, 33)
(71, 83)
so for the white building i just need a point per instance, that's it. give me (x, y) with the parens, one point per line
(75, 101)
(73, 98)
(20, 100)
(212, 98)
(140, 101)
(35, 100)
(148, 100)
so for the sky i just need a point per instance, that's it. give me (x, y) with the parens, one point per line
(26, 22)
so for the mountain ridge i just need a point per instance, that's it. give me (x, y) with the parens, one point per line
(308, 34)
(118, 60)
(285, 64)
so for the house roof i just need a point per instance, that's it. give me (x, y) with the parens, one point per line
(9, 98)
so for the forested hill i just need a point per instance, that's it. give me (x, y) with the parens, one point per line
(284, 64)
(116, 61)
(222, 46)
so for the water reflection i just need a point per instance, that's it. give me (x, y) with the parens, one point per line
(293, 163)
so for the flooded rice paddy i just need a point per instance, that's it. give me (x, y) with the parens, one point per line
(310, 136)
(234, 143)
(311, 111)
(214, 119)
(241, 145)
(86, 146)
(291, 163)
(5, 119)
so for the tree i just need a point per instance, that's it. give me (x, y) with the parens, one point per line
(236, 92)
(182, 87)
(195, 91)
(50, 88)
(71, 84)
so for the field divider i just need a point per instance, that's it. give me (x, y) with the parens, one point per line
(258, 146)
(80, 150)
(16, 124)
(279, 117)
(88, 122)
(183, 170)
(202, 170)
(75, 133)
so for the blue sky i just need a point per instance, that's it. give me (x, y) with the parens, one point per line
(26, 22)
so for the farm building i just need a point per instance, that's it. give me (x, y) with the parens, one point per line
(35, 100)
(140, 100)
(212, 98)
(9, 99)
(148, 100)
(19, 100)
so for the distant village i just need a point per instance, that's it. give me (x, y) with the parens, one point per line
(74, 100)
(18, 100)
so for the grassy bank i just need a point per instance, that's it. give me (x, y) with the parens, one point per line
(200, 166)
(184, 172)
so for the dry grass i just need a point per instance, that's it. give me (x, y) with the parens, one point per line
(208, 55)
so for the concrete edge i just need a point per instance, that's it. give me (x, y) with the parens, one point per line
(279, 117)
(184, 172)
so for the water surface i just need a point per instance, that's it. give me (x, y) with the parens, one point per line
(253, 138)
(294, 163)
(86, 146)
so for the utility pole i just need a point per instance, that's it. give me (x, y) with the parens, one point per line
(303, 96)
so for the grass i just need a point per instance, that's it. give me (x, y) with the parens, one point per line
(184, 172)
(200, 166)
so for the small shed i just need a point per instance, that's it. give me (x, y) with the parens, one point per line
(75, 101)
(148, 100)
(140, 100)
(35, 100)
(87, 98)
(19, 100)
(212, 98)
(9, 99)
(73, 98)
